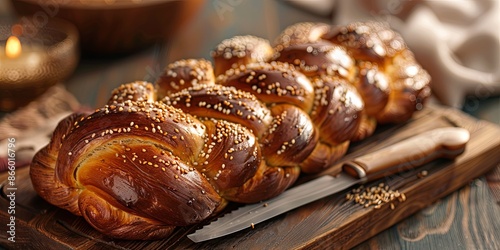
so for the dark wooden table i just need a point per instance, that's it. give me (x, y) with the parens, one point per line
(468, 218)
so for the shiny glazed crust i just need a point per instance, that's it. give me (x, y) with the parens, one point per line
(376, 47)
(138, 168)
(177, 152)
(183, 74)
(240, 50)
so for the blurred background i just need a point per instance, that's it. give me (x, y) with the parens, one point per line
(127, 40)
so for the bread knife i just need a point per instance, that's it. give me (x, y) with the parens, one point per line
(448, 142)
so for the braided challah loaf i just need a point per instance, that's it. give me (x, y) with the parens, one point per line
(175, 153)
(393, 85)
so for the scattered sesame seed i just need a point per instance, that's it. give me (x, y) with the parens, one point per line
(375, 196)
(422, 174)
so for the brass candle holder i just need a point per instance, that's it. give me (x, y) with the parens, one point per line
(33, 58)
(116, 27)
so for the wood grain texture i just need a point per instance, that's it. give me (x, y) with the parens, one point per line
(450, 208)
(465, 219)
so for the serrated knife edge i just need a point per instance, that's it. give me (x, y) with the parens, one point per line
(295, 197)
(448, 142)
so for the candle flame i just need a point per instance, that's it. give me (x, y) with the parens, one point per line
(13, 47)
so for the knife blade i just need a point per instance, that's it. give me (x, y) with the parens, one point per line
(412, 152)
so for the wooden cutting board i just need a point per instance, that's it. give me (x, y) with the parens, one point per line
(332, 222)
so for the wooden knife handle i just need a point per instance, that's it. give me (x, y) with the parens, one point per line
(410, 153)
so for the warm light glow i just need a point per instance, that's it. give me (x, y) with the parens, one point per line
(13, 47)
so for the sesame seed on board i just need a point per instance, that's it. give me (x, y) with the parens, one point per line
(375, 196)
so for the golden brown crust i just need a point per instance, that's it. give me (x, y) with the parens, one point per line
(284, 132)
(43, 169)
(291, 137)
(300, 33)
(132, 186)
(318, 58)
(324, 156)
(177, 132)
(139, 167)
(409, 89)
(223, 102)
(240, 50)
(337, 109)
(183, 74)
(393, 41)
(367, 126)
(361, 40)
(138, 157)
(329, 106)
(127, 165)
(274, 82)
(376, 45)
(117, 223)
(230, 156)
(266, 183)
(328, 112)
(373, 86)
(139, 91)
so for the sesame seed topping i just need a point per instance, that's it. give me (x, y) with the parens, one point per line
(242, 46)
